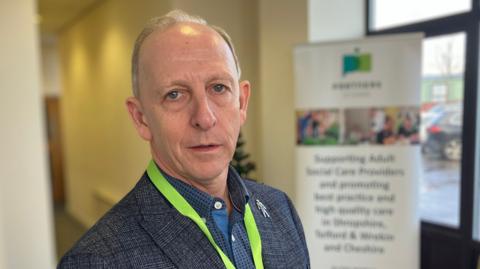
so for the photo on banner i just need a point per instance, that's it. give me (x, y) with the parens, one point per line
(362, 126)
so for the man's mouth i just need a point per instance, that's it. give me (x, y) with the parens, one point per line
(205, 147)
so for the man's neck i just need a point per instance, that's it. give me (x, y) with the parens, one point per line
(216, 187)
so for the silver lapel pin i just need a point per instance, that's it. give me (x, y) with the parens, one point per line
(262, 208)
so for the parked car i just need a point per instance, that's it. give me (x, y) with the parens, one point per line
(444, 136)
(427, 118)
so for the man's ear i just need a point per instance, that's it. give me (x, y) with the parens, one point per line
(244, 97)
(138, 117)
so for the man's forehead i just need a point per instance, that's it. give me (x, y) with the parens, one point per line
(186, 36)
(190, 41)
(185, 42)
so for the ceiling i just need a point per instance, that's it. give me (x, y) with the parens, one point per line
(55, 14)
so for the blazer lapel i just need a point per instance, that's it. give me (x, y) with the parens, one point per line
(176, 235)
(281, 245)
(273, 257)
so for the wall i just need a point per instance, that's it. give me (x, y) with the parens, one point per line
(240, 20)
(282, 24)
(3, 247)
(104, 155)
(26, 238)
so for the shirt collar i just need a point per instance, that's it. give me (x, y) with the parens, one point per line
(238, 191)
(203, 202)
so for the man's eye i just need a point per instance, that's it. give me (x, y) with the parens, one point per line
(173, 95)
(219, 88)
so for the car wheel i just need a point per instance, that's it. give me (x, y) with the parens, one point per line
(452, 150)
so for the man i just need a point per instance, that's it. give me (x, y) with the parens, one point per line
(408, 132)
(387, 135)
(190, 210)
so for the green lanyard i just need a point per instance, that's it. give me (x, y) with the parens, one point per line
(186, 209)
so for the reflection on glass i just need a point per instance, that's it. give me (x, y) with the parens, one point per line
(441, 128)
(387, 14)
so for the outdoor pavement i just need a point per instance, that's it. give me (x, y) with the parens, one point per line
(440, 191)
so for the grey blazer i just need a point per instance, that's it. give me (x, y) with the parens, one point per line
(144, 231)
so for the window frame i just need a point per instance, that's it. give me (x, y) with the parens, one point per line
(463, 236)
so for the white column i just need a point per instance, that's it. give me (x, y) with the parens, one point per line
(26, 238)
(335, 20)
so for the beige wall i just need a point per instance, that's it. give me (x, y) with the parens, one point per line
(3, 247)
(104, 157)
(282, 24)
(26, 238)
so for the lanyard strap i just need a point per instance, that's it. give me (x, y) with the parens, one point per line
(177, 200)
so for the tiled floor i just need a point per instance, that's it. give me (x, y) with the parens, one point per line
(67, 230)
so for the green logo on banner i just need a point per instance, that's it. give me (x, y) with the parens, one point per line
(357, 63)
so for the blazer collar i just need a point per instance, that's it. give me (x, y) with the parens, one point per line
(183, 242)
(177, 236)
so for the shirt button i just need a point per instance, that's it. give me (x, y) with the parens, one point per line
(233, 238)
(217, 205)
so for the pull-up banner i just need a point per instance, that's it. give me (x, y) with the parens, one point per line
(358, 153)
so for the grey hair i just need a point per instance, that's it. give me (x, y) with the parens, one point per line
(163, 23)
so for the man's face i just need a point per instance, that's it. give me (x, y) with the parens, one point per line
(191, 104)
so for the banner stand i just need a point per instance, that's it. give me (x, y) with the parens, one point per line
(358, 151)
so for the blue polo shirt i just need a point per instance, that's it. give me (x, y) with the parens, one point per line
(228, 231)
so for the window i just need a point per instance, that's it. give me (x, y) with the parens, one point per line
(439, 93)
(450, 183)
(387, 14)
(441, 128)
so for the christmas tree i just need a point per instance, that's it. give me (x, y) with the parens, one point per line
(240, 159)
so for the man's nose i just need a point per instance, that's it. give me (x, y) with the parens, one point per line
(203, 116)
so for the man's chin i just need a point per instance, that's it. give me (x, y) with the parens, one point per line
(208, 173)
